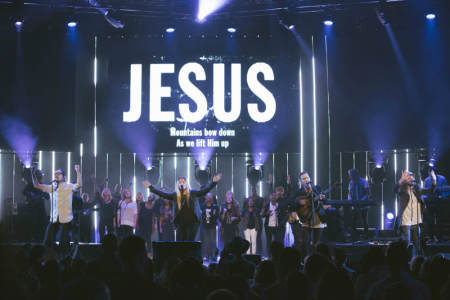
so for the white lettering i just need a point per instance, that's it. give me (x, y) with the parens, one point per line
(157, 92)
(193, 92)
(261, 92)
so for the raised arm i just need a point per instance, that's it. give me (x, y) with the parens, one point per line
(43, 187)
(169, 196)
(78, 184)
(208, 188)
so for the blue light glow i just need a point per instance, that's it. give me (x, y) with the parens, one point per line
(72, 24)
(328, 23)
(231, 29)
(170, 30)
(430, 16)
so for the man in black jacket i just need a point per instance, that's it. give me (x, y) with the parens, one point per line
(187, 209)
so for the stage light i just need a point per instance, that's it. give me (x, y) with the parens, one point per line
(81, 149)
(300, 83)
(207, 7)
(188, 167)
(291, 27)
(95, 140)
(432, 162)
(378, 175)
(254, 173)
(18, 23)
(170, 30)
(430, 16)
(328, 22)
(390, 216)
(395, 176)
(40, 161)
(53, 165)
(69, 163)
(72, 24)
(231, 29)
(314, 114)
(203, 176)
(152, 174)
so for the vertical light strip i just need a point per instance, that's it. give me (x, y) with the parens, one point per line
(340, 172)
(260, 188)
(407, 159)
(69, 163)
(367, 165)
(175, 168)
(382, 206)
(53, 165)
(95, 107)
(95, 140)
(354, 160)
(81, 149)
(14, 181)
(232, 174)
(300, 87)
(188, 166)
(273, 171)
(246, 178)
(329, 113)
(81, 162)
(314, 111)
(161, 169)
(107, 165)
(134, 176)
(40, 161)
(120, 168)
(395, 180)
(287, 164)
(1, 187)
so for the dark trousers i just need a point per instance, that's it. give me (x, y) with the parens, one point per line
(208, 234)
(413, 234)
(228, 234)
(106, 226)
(167, 233)
(124, 231)
(64, 239)
(85, 229)
(147, 236)
(360, 214)
(297, 233)
(186, 232)
(273, 234)
(311, 237)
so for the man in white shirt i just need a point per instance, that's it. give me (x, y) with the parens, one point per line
(61, 214)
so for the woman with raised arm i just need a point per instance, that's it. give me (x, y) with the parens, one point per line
(187, 209)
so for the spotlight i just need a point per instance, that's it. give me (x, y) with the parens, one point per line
(254, 173)
(378, 174)
(72, 24)
(390, 216)
(291, 27)
(430, 16)
(203, 176)
(152, 174)
(231, 29)
(170, 30)
(18, 23)
(328, 22)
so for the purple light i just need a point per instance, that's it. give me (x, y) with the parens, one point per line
(328, 23)
(207, 7)
(430, 16)
(18, 23)
(231, 29)
(202, 156)
(19, 137)
(378, 166)
(72, 24)
(170, 30)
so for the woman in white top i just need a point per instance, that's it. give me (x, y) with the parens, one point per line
(126, 215)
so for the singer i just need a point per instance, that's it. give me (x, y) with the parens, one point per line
(187, 208)
(61, 214)
(409, 218)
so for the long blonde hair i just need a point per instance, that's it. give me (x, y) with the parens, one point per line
(186, 192)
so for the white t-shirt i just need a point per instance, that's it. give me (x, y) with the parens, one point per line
(273, 218)
(61, 201)
(128, 211)
(412, 215)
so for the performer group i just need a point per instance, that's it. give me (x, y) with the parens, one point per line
(298, 209)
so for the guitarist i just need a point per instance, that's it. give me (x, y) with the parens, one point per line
(305, 202)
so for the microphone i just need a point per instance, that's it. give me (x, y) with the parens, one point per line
(54, 180)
